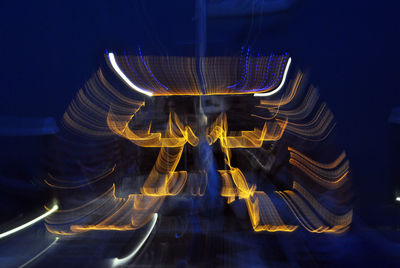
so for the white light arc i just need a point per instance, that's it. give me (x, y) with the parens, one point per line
(39, 254)
(29, 223)
(276, 90)
(121, 74)
(117, 262)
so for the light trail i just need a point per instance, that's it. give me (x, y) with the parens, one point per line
(280, 86)
(29, 223)
(116, 262)
(121, 74)
(40, 253)
(398, 199)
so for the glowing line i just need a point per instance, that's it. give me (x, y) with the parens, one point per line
(29, 223)
(280, 86)
(39, 254)
(116, 68)
(117, 262)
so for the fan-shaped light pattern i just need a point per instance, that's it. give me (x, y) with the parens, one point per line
(288, 111)
(166, 76)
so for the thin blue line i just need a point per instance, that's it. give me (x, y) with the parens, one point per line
(126, 58)
(140, 53)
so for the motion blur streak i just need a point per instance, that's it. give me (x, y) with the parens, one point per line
(179, 77)
(330, 176)
(87, 114)
(40, 253)
(117, 262)
(87, 182)
(262, 211)
(281, 84)
(308, 219)
(276, 114)
(264, 216)
(123, 76)
(29, 223)
(136, 210)
(272, 131)
(176, 134)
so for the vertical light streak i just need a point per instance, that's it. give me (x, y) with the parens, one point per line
(116, 262)
(40, 253)
(280, 86)
(29, 223)
(116, 68)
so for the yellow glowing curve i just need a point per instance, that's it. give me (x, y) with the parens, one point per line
(137, 210)
(280, 86)
(29, 223)
(262, 212)
(40, 253)
(332, 165)
(116, 68)
(118, 262)
(176, 134)
(272, 131)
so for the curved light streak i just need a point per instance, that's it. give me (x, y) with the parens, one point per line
(116, 68)
(39, 254)
(29, 223)
(280, 86)
(117, 261)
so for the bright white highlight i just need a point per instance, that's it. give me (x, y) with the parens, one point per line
(398, 199)
(117, 262)
(276, 90)
(116, 68)
(29, 223)
(40, 253)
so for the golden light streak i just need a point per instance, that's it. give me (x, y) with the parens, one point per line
(331, 176)
(309, 219)
(262, 212)
(128, 214)
(100, 110)
(176, 134)
(264, 216)
(271, 131)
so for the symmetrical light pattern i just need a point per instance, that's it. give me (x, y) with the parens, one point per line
(261, 76)
(279, 114)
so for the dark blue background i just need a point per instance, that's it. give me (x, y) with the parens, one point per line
(49, 49)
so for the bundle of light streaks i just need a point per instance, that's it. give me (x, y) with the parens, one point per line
(165, 76)
(262, 211)
(330, 176)
(311, 119)
(311, 214)
(291, 111)
(127, 213)
(176, 134)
